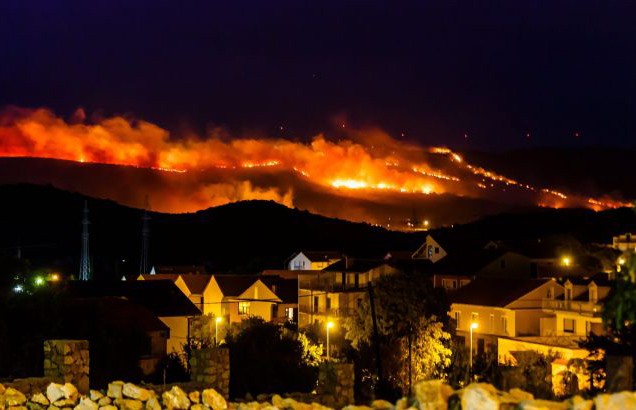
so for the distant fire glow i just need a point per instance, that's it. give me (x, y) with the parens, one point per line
(362, 162)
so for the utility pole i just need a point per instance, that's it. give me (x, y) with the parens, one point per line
(145, 238)
(85, 262)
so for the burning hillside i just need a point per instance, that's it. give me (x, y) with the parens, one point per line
(365, 175)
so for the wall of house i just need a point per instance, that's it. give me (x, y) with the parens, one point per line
(212, 297)
(507, 265)
(300, 262)
(528, 321)
(484, 323)
(178, 332)
(435, 255)
(580, 321)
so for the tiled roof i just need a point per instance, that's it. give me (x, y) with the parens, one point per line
(496, 292)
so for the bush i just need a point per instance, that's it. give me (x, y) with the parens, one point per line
(264, 359)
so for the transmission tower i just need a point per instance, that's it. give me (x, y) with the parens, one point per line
(85, 263)
(145, 238)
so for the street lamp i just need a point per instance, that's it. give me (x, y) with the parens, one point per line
(473, 326)
(217, 320)
(329, 326)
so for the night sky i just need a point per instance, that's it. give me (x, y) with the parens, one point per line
(481, 75)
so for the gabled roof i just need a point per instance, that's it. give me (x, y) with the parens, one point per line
(196, 283)
(234, 285)
(355, 265)
(495, 292)
(467, 263)
(285, 289)
(162, 297)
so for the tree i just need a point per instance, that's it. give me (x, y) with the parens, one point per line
(411, 318)
(266, 359)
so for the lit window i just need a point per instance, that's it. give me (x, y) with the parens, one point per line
(244, 308)
(289, 314)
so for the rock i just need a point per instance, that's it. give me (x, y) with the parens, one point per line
(41, 399)
(95, 395)
(579, 403)
(35, 406)
(105, 401)
(86, 404)
(198, 407)
(13, 397)
(520, 395)
(135, 392)
(542, 405)
(215, 401)
(432, 394)
(52, 407)
(2, 389)
(616, 401)
(70, 392)
(153, 404)
(109, 407)
(402, 404)
(17, 408)
(381, 405)
(115, 390)
(175, 398)
(352, 407)
(54, 392)
(129, 404)
(480, 396)
(195, 397)
(65, 403)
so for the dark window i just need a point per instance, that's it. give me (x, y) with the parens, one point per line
(568, 325)
(437, 250)
(328, 303)
(316, 302)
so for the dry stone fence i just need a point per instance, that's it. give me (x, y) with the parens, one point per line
(67, 361)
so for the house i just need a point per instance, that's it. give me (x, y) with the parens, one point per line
(312, 260)
(500, 307)
(577, 312)
(338, 289)
(179, 270)
(457, 270)
(242, 296)
(287, 292)
(625, 242)
(202, 290)
(431, 249)
(162, 298)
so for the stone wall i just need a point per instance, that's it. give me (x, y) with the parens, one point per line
(335, 384)
(212, 367)
(67, 361)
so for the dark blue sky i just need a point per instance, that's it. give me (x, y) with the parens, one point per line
(435, 70)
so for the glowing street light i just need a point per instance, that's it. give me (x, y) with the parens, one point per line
(38, 281)
(330, 324)
(473, 326)
(566, 261)
(18, 288)
(217, 320)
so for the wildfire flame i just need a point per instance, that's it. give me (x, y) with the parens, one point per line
(366, 161)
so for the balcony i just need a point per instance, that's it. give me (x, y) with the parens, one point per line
(582, 307)
(338, 312)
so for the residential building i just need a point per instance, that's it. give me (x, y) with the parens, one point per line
(335, 291)
(431, 250)
(312, 260)
(625, 242)
(500, 307)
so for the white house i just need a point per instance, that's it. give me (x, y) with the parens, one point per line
(305, 260)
